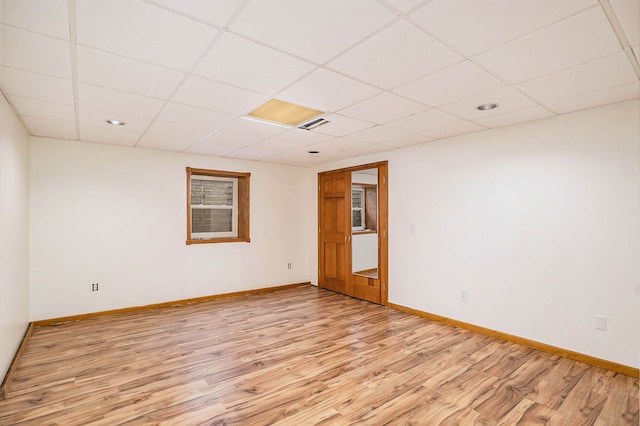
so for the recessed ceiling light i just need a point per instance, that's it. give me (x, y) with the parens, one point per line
(487, 107)
(314, 152)
(283, 112)
(116, 122)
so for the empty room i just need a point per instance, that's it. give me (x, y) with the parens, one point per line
(331, 212)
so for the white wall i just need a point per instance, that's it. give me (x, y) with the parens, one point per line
(364, 252)
(14, 234)
(540, 222)
(117, 216)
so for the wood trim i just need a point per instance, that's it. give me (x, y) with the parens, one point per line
(79, 317)
(244, 216)
(576, 356)
(8, 378)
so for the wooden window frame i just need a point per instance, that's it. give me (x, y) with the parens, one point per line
(242, 205)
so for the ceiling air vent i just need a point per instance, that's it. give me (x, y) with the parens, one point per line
(313, 124)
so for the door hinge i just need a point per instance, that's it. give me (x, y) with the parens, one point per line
(384, 180)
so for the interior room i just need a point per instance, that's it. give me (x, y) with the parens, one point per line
(336, 212)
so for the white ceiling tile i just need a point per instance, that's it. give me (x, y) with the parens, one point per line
(215, 12)
(177, 136)
(192, 117)
(256, 151)
(383, 108)
(339, 125)
(387, 136)
(98, 119)
(603, 97)
(298, 158)
(164, 142)
(600, 74)
(253, 128)
(50, 128)
(108, 135)
(46, 55)
(143, 32)
(474, 26)
(390, 57)
(507, 98)
(628, 14)
(513, 117)
(44, 110)
(335, 145)
(297, 138)
(327, 91)
(244, 63)
(454, 130)
(222, 143)
(114, 102)
(575, 40)
(404, 5)
(311, 30)
(44, 16)
(37, 86)
(216, 96)
(454, 83)
(128, 75)
(428, 121)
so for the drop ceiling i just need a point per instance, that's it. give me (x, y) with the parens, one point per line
(182, 74)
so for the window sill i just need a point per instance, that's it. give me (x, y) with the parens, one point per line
(219, 240)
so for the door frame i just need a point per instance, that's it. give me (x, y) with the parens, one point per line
(383, 224)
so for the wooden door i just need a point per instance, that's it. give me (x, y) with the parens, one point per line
(334, 231)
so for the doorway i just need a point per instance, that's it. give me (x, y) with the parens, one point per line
(352, 231)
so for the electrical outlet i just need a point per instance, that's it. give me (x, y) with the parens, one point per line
(288, 265)
(95, 286)
(464, 295)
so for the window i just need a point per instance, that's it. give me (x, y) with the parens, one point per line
(357, 208)
(217, 206)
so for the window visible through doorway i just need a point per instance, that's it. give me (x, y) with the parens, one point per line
(217, 206)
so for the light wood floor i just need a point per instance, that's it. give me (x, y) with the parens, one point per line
(297, 357)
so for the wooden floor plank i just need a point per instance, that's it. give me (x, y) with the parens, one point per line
(295, 357)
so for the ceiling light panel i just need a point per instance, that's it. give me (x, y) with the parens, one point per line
(395, 56)
(128, 75)
(553, 48)
(144, 32)
(311, 30)
(473, 27)
(451, 84)
(47, 55)
(51, 17)
(250, 65)
(284, 112)
(327, 90)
